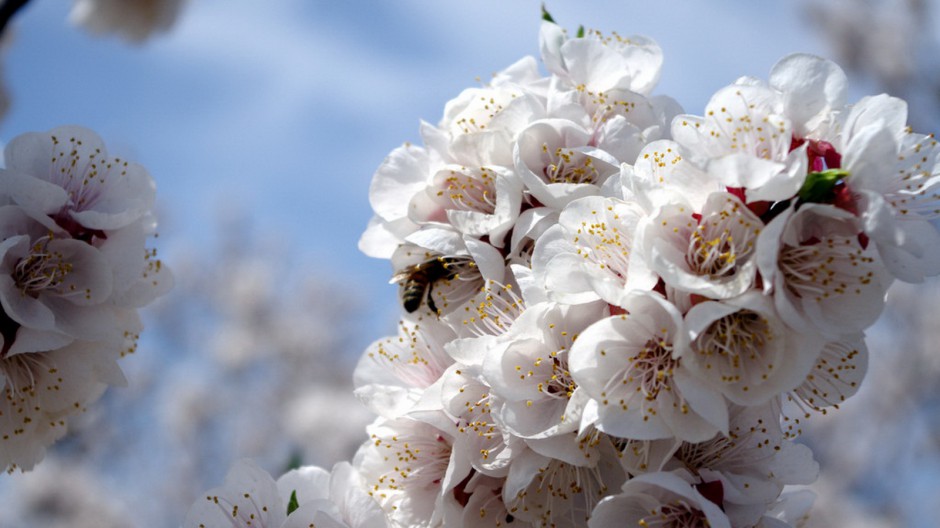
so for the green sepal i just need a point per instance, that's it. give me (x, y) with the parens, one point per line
(819, 186)
(546, 16)
(292, 504)
(580, 31)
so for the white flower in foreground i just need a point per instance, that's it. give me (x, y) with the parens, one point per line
(248, 498)
(557, 162)
(814, 90)
(744, 141)
(134, 20)
(478, 437)
(792, 510)
(598, 63)
(741, 347)
(662, 176)
(477, 201)
(53, 288)
(73, 269)
(304, 497)
(659, 499)
(590, 253)
(406, 465)
(79, 185)
(893, 178)
(750, 465)
(393, 372)
(479, 125)
(401, 176)
(527, 369)
(479, 504)
(837, 375)
(40, 390)
(632, 367)
(329, 500)
(820, 274)
(709, 252)
(66, 176)
(549, 492)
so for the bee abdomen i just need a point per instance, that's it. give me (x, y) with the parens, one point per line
(412, 295)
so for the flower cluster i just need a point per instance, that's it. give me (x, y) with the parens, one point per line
(74, 269)
(611, 309)
(607, 301)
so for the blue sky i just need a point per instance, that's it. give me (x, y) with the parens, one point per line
(286, 108)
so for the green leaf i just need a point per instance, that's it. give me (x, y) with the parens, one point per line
(580, 31)
(295, 461)
(546, 16)
(292, 504)
(819, 186)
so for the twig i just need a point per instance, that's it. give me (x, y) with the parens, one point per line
(7, 9)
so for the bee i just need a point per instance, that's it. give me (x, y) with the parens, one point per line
(417, 281)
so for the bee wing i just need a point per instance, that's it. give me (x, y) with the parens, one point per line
(401, 276)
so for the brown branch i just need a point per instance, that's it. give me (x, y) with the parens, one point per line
(7, 9)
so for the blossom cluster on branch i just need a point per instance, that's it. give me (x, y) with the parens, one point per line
(614, 312)
(74, 269)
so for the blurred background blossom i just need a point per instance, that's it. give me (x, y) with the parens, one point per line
(262, 123)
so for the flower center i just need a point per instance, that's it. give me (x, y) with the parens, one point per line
(559, 383)
(41, 269)
(497, 310)
(481, 111)
(604, 244)
(568, 166)
(677, 514)
(20, 372)
(470, 190)
(412, 356)
(82, 177)
(733, 345)
(556, 490)
(720, 241)
(831, 267)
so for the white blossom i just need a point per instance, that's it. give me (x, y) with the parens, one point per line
(659, 499)
(632, 367)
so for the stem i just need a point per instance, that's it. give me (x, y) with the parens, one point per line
(7, 9)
